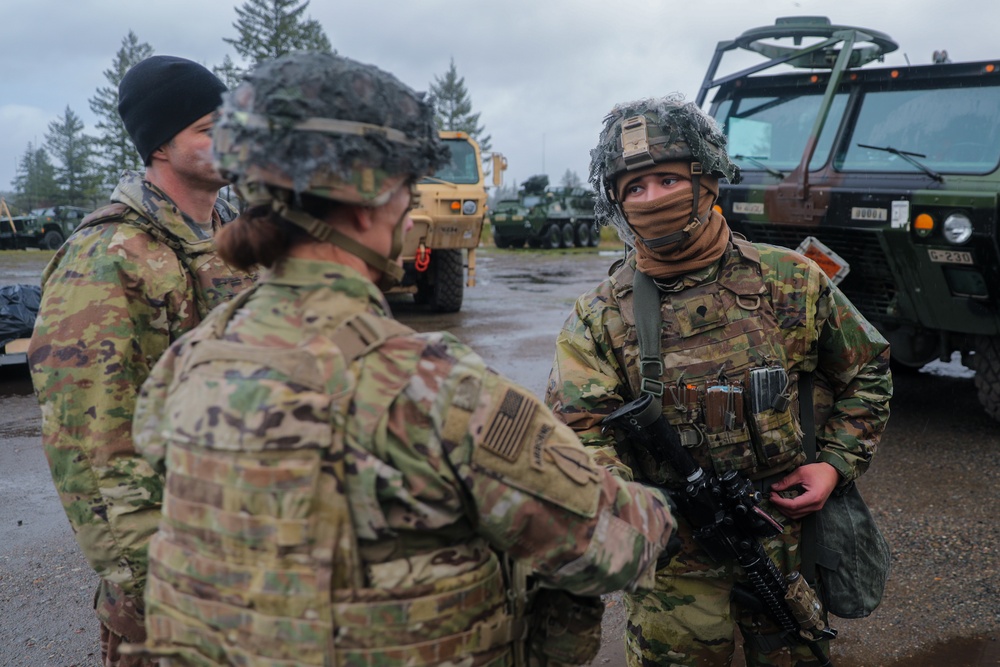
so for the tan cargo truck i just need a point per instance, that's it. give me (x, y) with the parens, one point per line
(447, 220)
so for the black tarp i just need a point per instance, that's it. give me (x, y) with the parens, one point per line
(18, 308)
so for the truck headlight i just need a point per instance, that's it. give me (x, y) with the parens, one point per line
(957, 228)
(469, 207)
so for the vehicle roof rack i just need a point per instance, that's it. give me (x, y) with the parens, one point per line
(841, 47)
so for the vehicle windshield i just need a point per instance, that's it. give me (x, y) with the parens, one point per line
(463, 167)
(953, 130)
(770, 133)
(950, 130)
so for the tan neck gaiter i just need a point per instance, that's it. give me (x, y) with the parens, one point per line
(669, 215)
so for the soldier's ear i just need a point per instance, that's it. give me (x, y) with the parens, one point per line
(361, 217)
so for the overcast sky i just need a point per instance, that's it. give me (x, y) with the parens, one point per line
(542, 73)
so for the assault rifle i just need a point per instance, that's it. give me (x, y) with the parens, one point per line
(728, 522)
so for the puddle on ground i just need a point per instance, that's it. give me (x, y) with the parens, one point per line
(531, 279)
(960, 652)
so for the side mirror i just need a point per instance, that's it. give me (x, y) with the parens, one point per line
(499, 166)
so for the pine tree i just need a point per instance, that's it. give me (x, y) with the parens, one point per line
(228, 71)
(570, 180)
(35, 181)
(453, 107)
(71, 148)
(113, 147)
(270, 28)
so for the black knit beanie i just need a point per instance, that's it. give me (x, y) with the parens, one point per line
(162, 95)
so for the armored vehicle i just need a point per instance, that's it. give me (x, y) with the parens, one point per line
(448, 218)
(887, 176)
(44, 228)
(545, 217)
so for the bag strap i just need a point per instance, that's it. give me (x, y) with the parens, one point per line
(648, 322)
(807, 419)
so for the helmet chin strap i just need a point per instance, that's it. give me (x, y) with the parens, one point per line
(391, 271)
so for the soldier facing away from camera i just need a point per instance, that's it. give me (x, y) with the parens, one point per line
(341, 489)
(732, 320)
(128, 282)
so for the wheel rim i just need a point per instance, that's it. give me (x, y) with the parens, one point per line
(568, 235)
(554, 236)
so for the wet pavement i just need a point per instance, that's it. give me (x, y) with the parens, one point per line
(933, 487)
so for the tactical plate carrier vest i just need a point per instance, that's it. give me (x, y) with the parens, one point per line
(725, 380)
(213, 280)
(258, 560)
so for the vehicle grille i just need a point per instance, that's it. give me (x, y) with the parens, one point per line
(869, 283)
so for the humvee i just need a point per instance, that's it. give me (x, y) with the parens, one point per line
(45, 228)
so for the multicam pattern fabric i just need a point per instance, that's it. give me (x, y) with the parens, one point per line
(353, 496)
(114, 297)
(689, 619)
(713, 331)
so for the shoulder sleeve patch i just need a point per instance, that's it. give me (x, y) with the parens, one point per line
(521, 443)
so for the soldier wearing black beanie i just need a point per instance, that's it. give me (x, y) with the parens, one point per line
(160, 96)
(135, 275)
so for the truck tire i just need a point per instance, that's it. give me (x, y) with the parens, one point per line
(568, 235)
(595, 234)
(52, 240)
(553, 237)
(987, 378)
(583, 233)
(449, 281)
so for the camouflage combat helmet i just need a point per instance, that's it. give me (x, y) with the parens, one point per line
(640, 134)
(327, 126)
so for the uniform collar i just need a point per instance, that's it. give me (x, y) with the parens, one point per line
(312, 273)
(154, 204)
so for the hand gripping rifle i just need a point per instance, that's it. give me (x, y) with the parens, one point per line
(728, 522)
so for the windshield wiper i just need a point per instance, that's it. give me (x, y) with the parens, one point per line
(909, 157)
(757, 162)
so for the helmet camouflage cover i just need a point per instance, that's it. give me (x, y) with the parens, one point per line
(645, 132)
(328, 126)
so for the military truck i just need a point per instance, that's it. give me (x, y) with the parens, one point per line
(448, 218)
(545, 217)
(44, 228)
(886, 175)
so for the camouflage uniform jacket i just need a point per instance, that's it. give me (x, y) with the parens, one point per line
(129, 282)
(808, 326)
(263, 421)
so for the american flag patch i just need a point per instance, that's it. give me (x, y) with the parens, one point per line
(505, 432)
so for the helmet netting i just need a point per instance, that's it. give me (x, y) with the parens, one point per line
(283, 93)
(689, 134)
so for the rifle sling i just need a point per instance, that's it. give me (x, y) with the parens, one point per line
(648, 321)
(807, 419)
